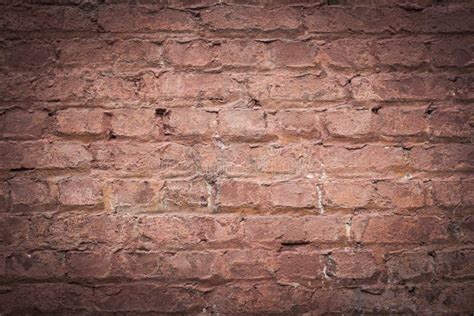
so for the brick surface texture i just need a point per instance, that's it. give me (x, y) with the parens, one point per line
(236, 157)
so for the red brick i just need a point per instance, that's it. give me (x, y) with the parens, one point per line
(81, 121)
(297, 88)
(246, 264)
(442, 157)
(191, 122)
(31, 190)
(447, 192)
(239, 18)
(400, 121)
(409, 266)
(14, 231)
(350, 123)
(455, 263)
(190, 85)
(195, 53)
(347, 53)
(83, 264)
(296, 123)
(167, 159)
(242, 194)
(295, 54)
(241, 123)
(135, 122)
(352, 265)
(408, 52)
(368, 159)
(80, 191)
(79, 52)
(347, 194)
(413, 87)
(47, 18)
(294, 230)
(143, 19)
(294, 194)
(243, 53)
(44, 155)
(26, 55)
(451, 122)
(452, 51)
(402, 194)
(185, 196)
(127, 195)
(13, 124)
(183, 232)
(298, 267)
(36, 265)
(381, 229)
(244, 159)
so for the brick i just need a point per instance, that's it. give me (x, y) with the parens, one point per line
(342, 265)
(294, 230)
(417, 230)
(167, 159)
(44, 155)
(80, 191)
(183, 232)
(35, 265)
(135, 123)
(409, 52)
(134, 195)
(452, 51)
(243, 159)
(409, 266)
(347, 53)
(241, 123)
(81, 121)
(399, 121)
(296, 123)
(299, 267)
(84, 264)
(144, 19)
(347, 194)
(446, 192)
(243, 53)
(186, 196)
(297, 88)
(451, 122)
(402, 194)
(79, 52)
(295, 194)
(12, 124)
(239, 18)
(242, 194)
(442, 157)
(246, 264)
(368, 159)
(414, 87)
(47, 18)
(190, 85)
(31, 190)
(195, 53)
(14, 231)
(454, 264)
(296, 54)
(191, 122)
(26, 55)
(350, 123)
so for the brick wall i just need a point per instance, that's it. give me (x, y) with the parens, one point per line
(236, 156)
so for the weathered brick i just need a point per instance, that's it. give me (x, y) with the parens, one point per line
(26, 55)
(341, 265)
(35, 265)
(87, 121)
(295, 123)
(296, 54)
(347, 194)
(409, 266)
(190, 122)
(135, 123)
(44, 155)
(21, 124)
(80, 191)
(402, 194)
(83, 264)
(451, 122)
(294, 230)
(442, 157)
(368, 159)
(31, 190)
(454, 264)
(144, 19)
(241, 123)
(239, 18)
(195, 53)
(380, 229)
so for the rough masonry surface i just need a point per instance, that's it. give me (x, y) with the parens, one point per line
(236, 157)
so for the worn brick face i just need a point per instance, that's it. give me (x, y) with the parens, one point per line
(236, 157)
